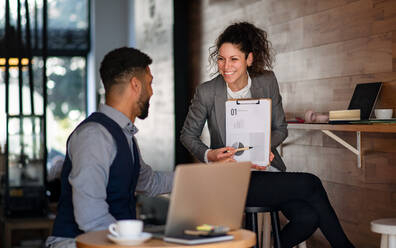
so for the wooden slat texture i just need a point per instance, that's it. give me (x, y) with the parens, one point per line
(324, 48)
(380, 167)
(334, 25)
(376, 143)
(335, 163)
(330, 164)
(271, 12)
(371, 54)
(394, 51)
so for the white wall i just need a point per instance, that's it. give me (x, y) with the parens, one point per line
(147, 25)
(154, 36)
(110, 29)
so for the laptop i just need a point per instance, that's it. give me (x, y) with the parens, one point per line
(213, 194)
(364, 98)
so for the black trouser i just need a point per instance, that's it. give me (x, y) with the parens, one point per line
(303, 200)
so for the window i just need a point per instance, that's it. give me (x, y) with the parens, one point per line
(66, 107)
(67, 49)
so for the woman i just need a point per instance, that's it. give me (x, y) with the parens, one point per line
(243, 56)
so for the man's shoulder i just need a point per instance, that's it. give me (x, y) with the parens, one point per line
(90, 127)
(90, 132)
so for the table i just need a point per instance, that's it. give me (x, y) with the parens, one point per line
(98, 239)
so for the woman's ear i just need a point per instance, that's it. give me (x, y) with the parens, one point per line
(249, 59)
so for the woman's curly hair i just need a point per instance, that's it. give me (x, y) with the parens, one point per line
(248, 38)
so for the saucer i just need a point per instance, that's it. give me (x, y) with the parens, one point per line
(137, 240)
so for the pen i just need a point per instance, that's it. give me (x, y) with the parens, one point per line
(243, 148)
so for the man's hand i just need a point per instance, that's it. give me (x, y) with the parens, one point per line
(225, 154)
(263, 168)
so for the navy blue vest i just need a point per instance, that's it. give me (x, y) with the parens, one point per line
(123, 177)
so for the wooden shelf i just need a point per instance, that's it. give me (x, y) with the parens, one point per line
(358, 128)
(368, 128)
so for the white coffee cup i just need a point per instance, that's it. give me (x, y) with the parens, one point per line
(383, 113)
(126, 228)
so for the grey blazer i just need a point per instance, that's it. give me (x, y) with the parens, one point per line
(209, 104)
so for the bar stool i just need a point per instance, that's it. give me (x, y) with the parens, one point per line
(251, 222)
(387, 229)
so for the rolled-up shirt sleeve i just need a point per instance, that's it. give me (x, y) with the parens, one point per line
(91, 150)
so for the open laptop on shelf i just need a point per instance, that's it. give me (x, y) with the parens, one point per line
(213, 194)
(364, 97)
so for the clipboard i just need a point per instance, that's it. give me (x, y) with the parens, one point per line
(248, 125)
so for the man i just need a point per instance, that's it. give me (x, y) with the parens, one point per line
(103, 167)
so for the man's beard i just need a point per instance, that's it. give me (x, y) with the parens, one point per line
(144, 109)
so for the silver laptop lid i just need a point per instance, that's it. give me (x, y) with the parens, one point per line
(212, 194)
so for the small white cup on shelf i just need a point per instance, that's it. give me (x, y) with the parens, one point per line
(383, 113)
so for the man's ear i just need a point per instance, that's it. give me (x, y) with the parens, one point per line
(136, 84)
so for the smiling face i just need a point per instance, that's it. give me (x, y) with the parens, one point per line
(232, 64)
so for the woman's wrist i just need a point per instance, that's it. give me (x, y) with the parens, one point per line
(206, 156)
(210, 156)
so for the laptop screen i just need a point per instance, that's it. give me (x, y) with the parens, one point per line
(364, 98)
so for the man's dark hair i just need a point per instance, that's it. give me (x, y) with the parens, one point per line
(122, 62)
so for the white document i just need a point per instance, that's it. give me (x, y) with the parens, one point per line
(248, 124)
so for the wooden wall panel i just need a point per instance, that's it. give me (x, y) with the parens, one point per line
(380, 167)
(330, 164)
(394, 50)
(324, 48)
(334, 25)
(334, 163)
(359, 56)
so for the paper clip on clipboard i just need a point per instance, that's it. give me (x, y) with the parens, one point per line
(238, 102)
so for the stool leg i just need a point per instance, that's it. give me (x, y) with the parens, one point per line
(266, 239)
(392, 241)
(8, 236)
(384, 241)
(275, 228)
(251, 224)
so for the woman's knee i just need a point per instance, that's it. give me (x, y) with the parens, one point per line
(312, 180)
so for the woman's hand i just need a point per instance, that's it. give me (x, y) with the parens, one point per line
(263, 168)
(224, 154)
(272, 156)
